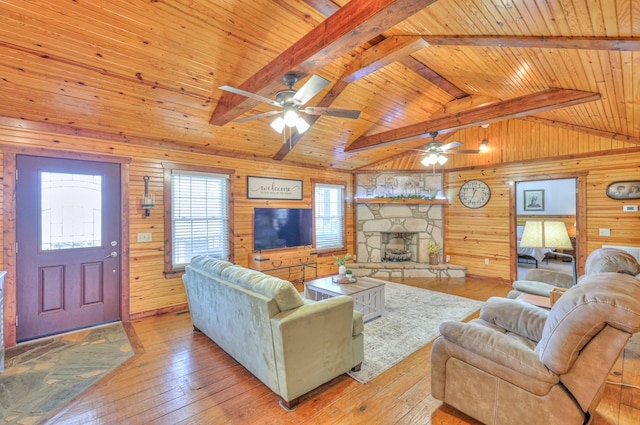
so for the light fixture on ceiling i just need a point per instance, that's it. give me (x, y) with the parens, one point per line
(290, 119)
(434, 158)
(484, 145)
(485, 125)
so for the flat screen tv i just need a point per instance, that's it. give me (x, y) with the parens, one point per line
(282, 228)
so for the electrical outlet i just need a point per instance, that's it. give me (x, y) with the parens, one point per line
(144, 237)
(448, 259)
(486, 261)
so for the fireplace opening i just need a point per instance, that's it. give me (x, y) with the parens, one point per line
(399, 246)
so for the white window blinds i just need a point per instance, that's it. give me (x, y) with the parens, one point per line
(329, 215)
(199, 216)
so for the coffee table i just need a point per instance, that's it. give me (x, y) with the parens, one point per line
(367, 294)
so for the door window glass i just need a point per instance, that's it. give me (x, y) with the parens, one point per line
(71, 211)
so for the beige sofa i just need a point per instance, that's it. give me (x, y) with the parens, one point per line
(521, 364)
(290, 344)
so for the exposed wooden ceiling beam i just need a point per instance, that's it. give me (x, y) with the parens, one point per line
(372, 59)
(595, 132)
(624, 44)
(354, 24)
(513, 108)
(435, 79)
(326, 7)
(382, 54)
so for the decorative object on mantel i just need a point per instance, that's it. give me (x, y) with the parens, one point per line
(341, 263)
(624, 189)
(148, 200)
(433, 248)
(273, 188)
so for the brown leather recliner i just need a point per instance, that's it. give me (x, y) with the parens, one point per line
(521, 364)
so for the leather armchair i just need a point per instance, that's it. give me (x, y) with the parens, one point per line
(519, 363)
(541, 282)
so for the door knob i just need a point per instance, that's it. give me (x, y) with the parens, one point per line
(113, 254)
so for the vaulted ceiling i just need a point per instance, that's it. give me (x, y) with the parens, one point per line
(149, 72)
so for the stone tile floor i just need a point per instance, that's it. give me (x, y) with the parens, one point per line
(41, 376)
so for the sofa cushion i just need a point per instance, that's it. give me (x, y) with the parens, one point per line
(281, 291)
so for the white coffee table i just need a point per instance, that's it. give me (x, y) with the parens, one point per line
(367, 294)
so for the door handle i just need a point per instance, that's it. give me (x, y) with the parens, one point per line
(113, 254)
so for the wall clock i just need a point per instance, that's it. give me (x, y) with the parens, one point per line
(474, 194)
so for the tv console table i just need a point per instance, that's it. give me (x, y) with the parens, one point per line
(284, 260)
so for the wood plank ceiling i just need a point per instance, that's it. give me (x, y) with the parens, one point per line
(149, 72)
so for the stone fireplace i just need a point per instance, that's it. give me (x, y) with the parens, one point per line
(391, 228)
(396, 215)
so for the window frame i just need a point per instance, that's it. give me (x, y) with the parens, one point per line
(169, 168)
(314, 184)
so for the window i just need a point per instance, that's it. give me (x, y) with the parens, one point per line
(329, 215)
(199, 220)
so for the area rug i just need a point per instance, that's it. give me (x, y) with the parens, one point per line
(42, 376)
(413, 316)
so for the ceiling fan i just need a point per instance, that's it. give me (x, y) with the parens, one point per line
(291, 103)
(436, 150)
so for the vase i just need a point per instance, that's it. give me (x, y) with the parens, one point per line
(433, 259)
(342, 270)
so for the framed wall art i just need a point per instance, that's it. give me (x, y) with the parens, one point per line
(533, 200)
(624, 189)
(273, 188)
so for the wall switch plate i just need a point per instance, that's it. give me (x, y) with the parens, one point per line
(605, 232)
(486, 261)
(448, 259)
(629, 208)
(144, 237)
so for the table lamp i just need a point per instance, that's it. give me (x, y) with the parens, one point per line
(548, 234)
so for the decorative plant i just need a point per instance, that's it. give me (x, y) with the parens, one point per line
(341, 261)
(433, 247)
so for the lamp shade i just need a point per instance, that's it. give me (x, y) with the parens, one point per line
(545, 234)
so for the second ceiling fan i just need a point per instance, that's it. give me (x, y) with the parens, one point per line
(291, 104)
(436, 150)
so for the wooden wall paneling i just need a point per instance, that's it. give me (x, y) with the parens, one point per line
(149, 289)
(594, 174)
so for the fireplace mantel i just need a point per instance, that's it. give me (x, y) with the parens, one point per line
(406, 201)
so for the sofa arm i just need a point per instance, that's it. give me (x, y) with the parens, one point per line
(315, 343)
(520, 318)
(499, 349)
(533, 287)
(553, 278)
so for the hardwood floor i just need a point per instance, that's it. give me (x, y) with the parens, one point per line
(180, 377)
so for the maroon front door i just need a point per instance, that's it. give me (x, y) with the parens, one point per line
(68, 251)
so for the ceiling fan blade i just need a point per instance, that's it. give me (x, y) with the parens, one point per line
(332, 112)
(462, 151)
(249, 95)
(451, 145)
(258, 116)
(312, 87)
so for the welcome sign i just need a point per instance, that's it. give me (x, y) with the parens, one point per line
(272, 188)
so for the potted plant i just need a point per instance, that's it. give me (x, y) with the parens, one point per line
(433, 248)
(341, 263)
